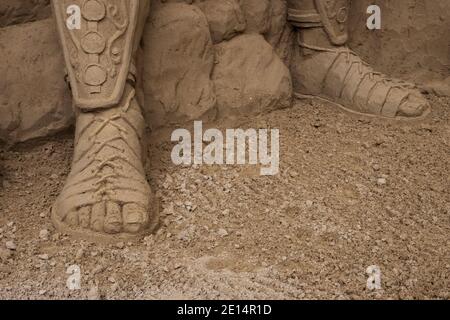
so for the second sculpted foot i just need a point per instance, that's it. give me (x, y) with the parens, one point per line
(106, 195)
(338, 75)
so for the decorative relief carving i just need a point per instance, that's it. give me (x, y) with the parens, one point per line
(98, 55)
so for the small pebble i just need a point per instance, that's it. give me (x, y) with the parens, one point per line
(11, 245)
(79, 254)
(222, 232)
(44, 256)
(93, 293)
(120, 245)
(293, 174)
(5, 254)
(115, 287)
(43, 234)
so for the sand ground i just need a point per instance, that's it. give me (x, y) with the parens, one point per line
(352, 192)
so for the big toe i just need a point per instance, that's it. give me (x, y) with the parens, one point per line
(113, 219)
(135, 218)
(415, 106)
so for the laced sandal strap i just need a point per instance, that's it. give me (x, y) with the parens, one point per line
(364, 68)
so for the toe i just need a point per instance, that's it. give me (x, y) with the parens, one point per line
(84, 216)
(72, 219)
(113, 219)
(415, 106)
(134, 218)
(98, 216)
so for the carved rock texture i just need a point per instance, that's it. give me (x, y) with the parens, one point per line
(34, 99)
(280, 34)
(20, 11)
(257, 13)
(249, 77)
(178, 61)
(225, 18)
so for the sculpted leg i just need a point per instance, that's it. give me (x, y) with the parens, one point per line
(324, 67)
(106, 195)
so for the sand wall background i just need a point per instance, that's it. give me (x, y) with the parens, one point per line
(414, 40)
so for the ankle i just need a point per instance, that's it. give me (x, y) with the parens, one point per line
(310, 38)
(320, 23)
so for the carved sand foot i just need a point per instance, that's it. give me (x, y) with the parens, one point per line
(340, 76)
(106, 195)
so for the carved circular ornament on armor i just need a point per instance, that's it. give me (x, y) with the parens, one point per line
(93, 43)
(93, 10)
(337, 10)
(342, 15)
(102, 48)
(95, 75)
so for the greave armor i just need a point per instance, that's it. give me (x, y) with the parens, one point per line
(331, 15)
(100, 49)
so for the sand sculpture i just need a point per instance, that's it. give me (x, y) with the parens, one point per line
(106, 195)
(106, 191)
(325, 67)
